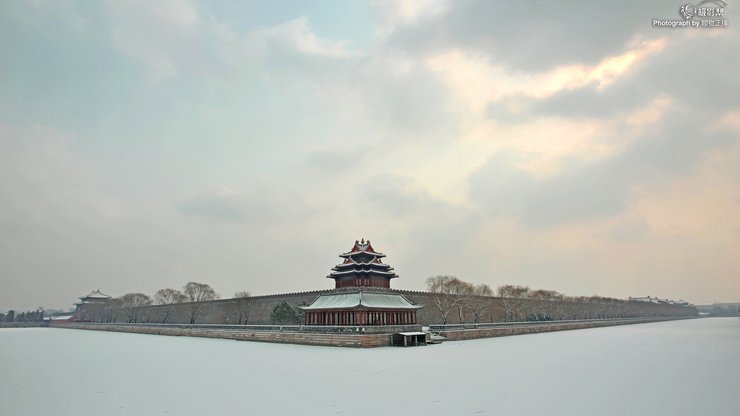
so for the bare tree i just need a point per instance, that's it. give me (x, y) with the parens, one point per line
(197, 294)
(242, 306)
(444, 299)
(478, 301)
(505, 293)
(463, 292)
(512, 298)
(168, 297)
(131, 303)
(110, 311)
(543, 308)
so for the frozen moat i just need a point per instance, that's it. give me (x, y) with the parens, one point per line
(679, 368)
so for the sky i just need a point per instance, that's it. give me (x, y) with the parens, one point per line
(561, 145)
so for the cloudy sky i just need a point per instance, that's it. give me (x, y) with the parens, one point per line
(563, 146)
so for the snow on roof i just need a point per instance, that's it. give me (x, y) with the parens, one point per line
(352, 253)
(352, 271)
(61, 317)
(96, 294)
(349, 262)
(345, 267)
(356, 299)
(362, 247)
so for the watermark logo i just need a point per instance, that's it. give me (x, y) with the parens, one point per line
(705, 14)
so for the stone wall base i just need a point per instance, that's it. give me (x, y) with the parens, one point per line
(305, 338)
(503, 331)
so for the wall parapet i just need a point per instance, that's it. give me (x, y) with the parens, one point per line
(507, 329)
(330, 338)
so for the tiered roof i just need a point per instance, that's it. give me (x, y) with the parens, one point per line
(94, 296)
(362, 261)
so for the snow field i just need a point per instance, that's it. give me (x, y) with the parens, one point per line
(680, 367)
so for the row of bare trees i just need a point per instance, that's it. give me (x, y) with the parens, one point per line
(195, 295)
(454, 295)
(520, 303)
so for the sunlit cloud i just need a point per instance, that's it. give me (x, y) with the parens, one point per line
(406, 12)
(542, 146)
(478, 81)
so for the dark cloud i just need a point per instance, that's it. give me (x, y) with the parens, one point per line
(679, 72)
(597, 189)
(536, 35)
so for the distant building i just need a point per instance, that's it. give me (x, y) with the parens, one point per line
(95, 296)
(61, 319)
(90, 305)
(361, 296)
(649, 299)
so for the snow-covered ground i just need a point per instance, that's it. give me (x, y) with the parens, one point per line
(671, 368)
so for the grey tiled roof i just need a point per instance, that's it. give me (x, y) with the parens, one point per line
(359, 298)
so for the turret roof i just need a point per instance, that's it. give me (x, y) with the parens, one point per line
(361, 299)
(362, 247)
(95, 294)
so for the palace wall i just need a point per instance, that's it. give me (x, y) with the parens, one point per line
(494, 309)
(490, 309)
(365, 340)
(344, 336)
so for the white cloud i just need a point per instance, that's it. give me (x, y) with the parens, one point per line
(160, 34)
(297, 35)
(172, 38)
(397, 13)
